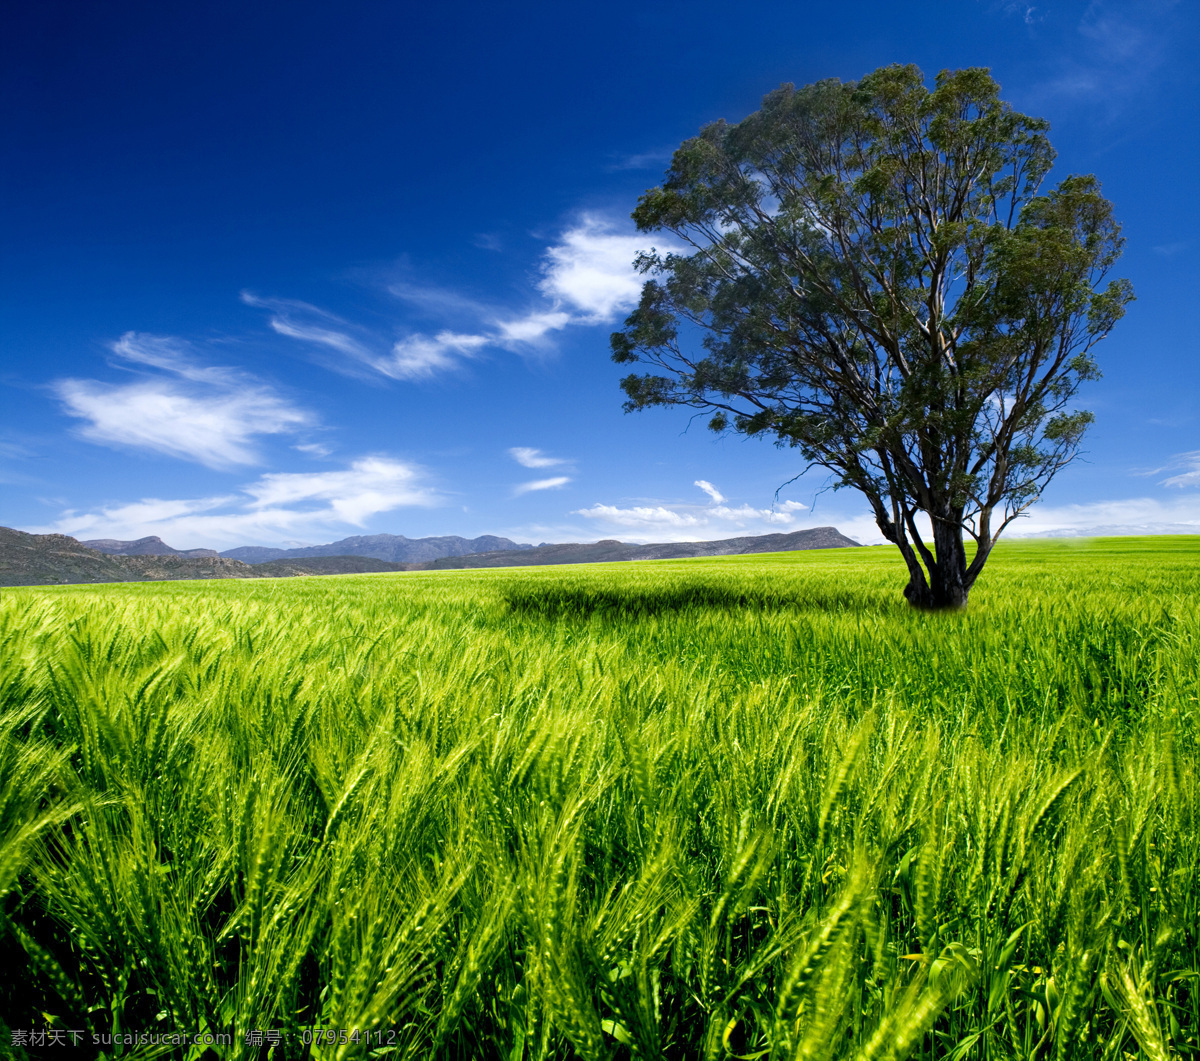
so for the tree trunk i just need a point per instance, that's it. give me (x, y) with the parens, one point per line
(947, 586)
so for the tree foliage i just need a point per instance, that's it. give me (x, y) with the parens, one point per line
(873, 275)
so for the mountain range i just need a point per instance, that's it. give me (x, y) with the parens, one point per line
(49, 559)
(391, 547)
(611, 550)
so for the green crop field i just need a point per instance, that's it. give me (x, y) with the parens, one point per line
(748, 806)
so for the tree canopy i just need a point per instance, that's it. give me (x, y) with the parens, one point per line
(873, 275)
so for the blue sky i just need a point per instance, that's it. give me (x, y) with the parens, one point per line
(281, 273)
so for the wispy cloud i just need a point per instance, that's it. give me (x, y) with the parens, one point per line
(207, 414)
(277, 508)
(1116, 33)
(488, 241)
(313, 449)
(684, 521)
(1187, 465)
(309, 333)
(642, 160)
(422, 356)
(14, 453)
(336, 343)
(311, 324)
(1117, 52)
(414, 357)
(587, 278)
(1191, 475)
(1027, 13)
(528, 457)
(541, 484)
(440, 302)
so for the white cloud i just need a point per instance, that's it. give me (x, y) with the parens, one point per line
(709, 489)
(215, 431)
(587, 278)
(746, 514)
(278, 508)
(207, 414)
(649, 518)
(354, 494)
(1143, 515)
(541, 484)
(667, 521)
(660, 522)
(681, 521)
(528, 457)
(591, 269)
(1140, 515)
(532, 328)
(858, 526)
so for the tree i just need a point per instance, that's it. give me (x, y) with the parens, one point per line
(872, 276)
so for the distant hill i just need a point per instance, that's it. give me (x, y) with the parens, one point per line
(327, 565)
(611, 550)
(395, 548)
(53, 559)
(151, 546)
(156, 568)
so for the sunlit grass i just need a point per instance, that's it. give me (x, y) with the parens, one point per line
(748, 806)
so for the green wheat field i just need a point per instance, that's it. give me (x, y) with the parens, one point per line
(747, 807)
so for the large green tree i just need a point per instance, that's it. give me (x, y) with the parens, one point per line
(873, 275)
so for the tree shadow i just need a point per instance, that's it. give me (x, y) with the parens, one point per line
(573, 602)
